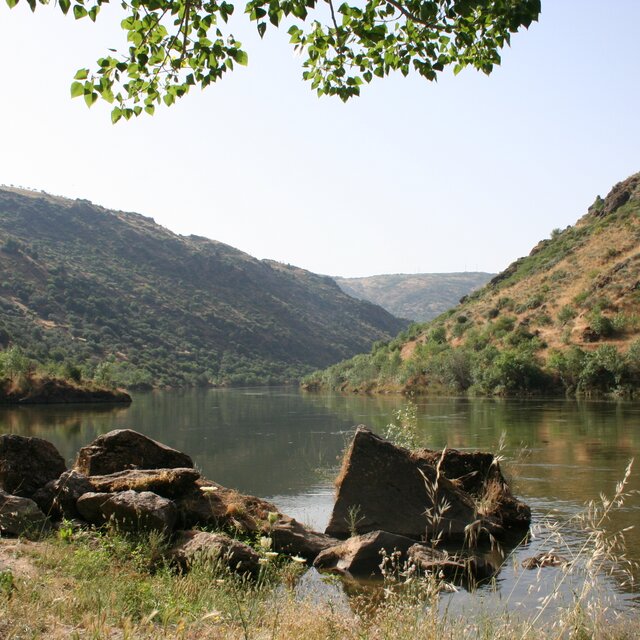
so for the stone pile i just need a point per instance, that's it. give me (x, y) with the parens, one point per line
(388, 498)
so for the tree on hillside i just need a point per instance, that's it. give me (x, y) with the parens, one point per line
(176, 44)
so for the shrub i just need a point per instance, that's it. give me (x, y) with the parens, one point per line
(566, 314)
(601, 325)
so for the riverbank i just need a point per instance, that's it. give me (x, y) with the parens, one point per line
(76, 584)
(37, 389)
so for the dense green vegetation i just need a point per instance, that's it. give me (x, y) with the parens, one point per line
(562, 320)
(120, 298)
(420, 296)
(482, 367)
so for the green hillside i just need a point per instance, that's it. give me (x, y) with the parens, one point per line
(418, 296)
(565, 319)
(114, 290)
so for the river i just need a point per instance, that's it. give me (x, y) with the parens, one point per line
(285, 445)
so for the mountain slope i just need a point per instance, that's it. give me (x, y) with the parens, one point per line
(565, 318)
(80, 282)
(420, 296)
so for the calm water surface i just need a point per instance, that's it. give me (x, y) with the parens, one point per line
(285, 446)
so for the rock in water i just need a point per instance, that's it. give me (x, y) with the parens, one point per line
(362, 555)
(200, 546)
(20, 516)
(27, 464)
(478, 473)
(289, 536)
(127, 449)
(380, 487)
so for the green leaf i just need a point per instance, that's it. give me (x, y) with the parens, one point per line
(77, 89)
(116, 114)
(65, 5)
(81, 74)
(12, 3)
(90, 98)
(241, 57)
(79, 11)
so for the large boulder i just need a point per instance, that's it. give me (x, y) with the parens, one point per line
(58, 498)
(127, 449)
(293, 538)
(168, 483)
(129, 510)
(363, 555)
(381, 487)
(215, 548)
(20, 516)
(27, 464)
(478, 473)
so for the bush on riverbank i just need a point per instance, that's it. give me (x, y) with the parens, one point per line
(23, 380)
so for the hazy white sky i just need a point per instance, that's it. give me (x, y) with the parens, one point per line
(464, 174)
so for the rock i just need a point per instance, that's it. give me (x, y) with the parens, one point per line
(58, 498)
(548, 559)
(127, 449)
(27, 464)
(130, 510)
(89, 507)
(194, 546)
(382, 487)
(428, 560)
(20, 516)
(469, 470)
(293, 538)
(168, 483)
(362, 555)
(210, 504)
(479, 474)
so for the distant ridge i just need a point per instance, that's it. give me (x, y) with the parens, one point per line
(419, 296)
(83, 283)
(564, 319)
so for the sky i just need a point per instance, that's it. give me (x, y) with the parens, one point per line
(466, 174)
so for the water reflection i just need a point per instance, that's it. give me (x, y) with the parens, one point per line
(285, 445)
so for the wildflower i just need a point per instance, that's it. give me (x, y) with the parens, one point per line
(273, 517)
(271, 554)
(298, 559)
(208, 489)
(265, 542)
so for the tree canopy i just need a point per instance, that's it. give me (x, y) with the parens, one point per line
(176, 44)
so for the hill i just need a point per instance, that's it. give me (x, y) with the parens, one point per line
(563, 319)
(116, 291)
(420, 296)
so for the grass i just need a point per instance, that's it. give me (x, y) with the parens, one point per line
(103, 587)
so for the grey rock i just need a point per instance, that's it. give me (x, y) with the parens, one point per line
(382, 487)
(293, 538)
(127, 449)
(201, 546)
(20, 516)
(58, 498)
(27, 464)
(130, 510)
(362, 555)
(168, 483)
